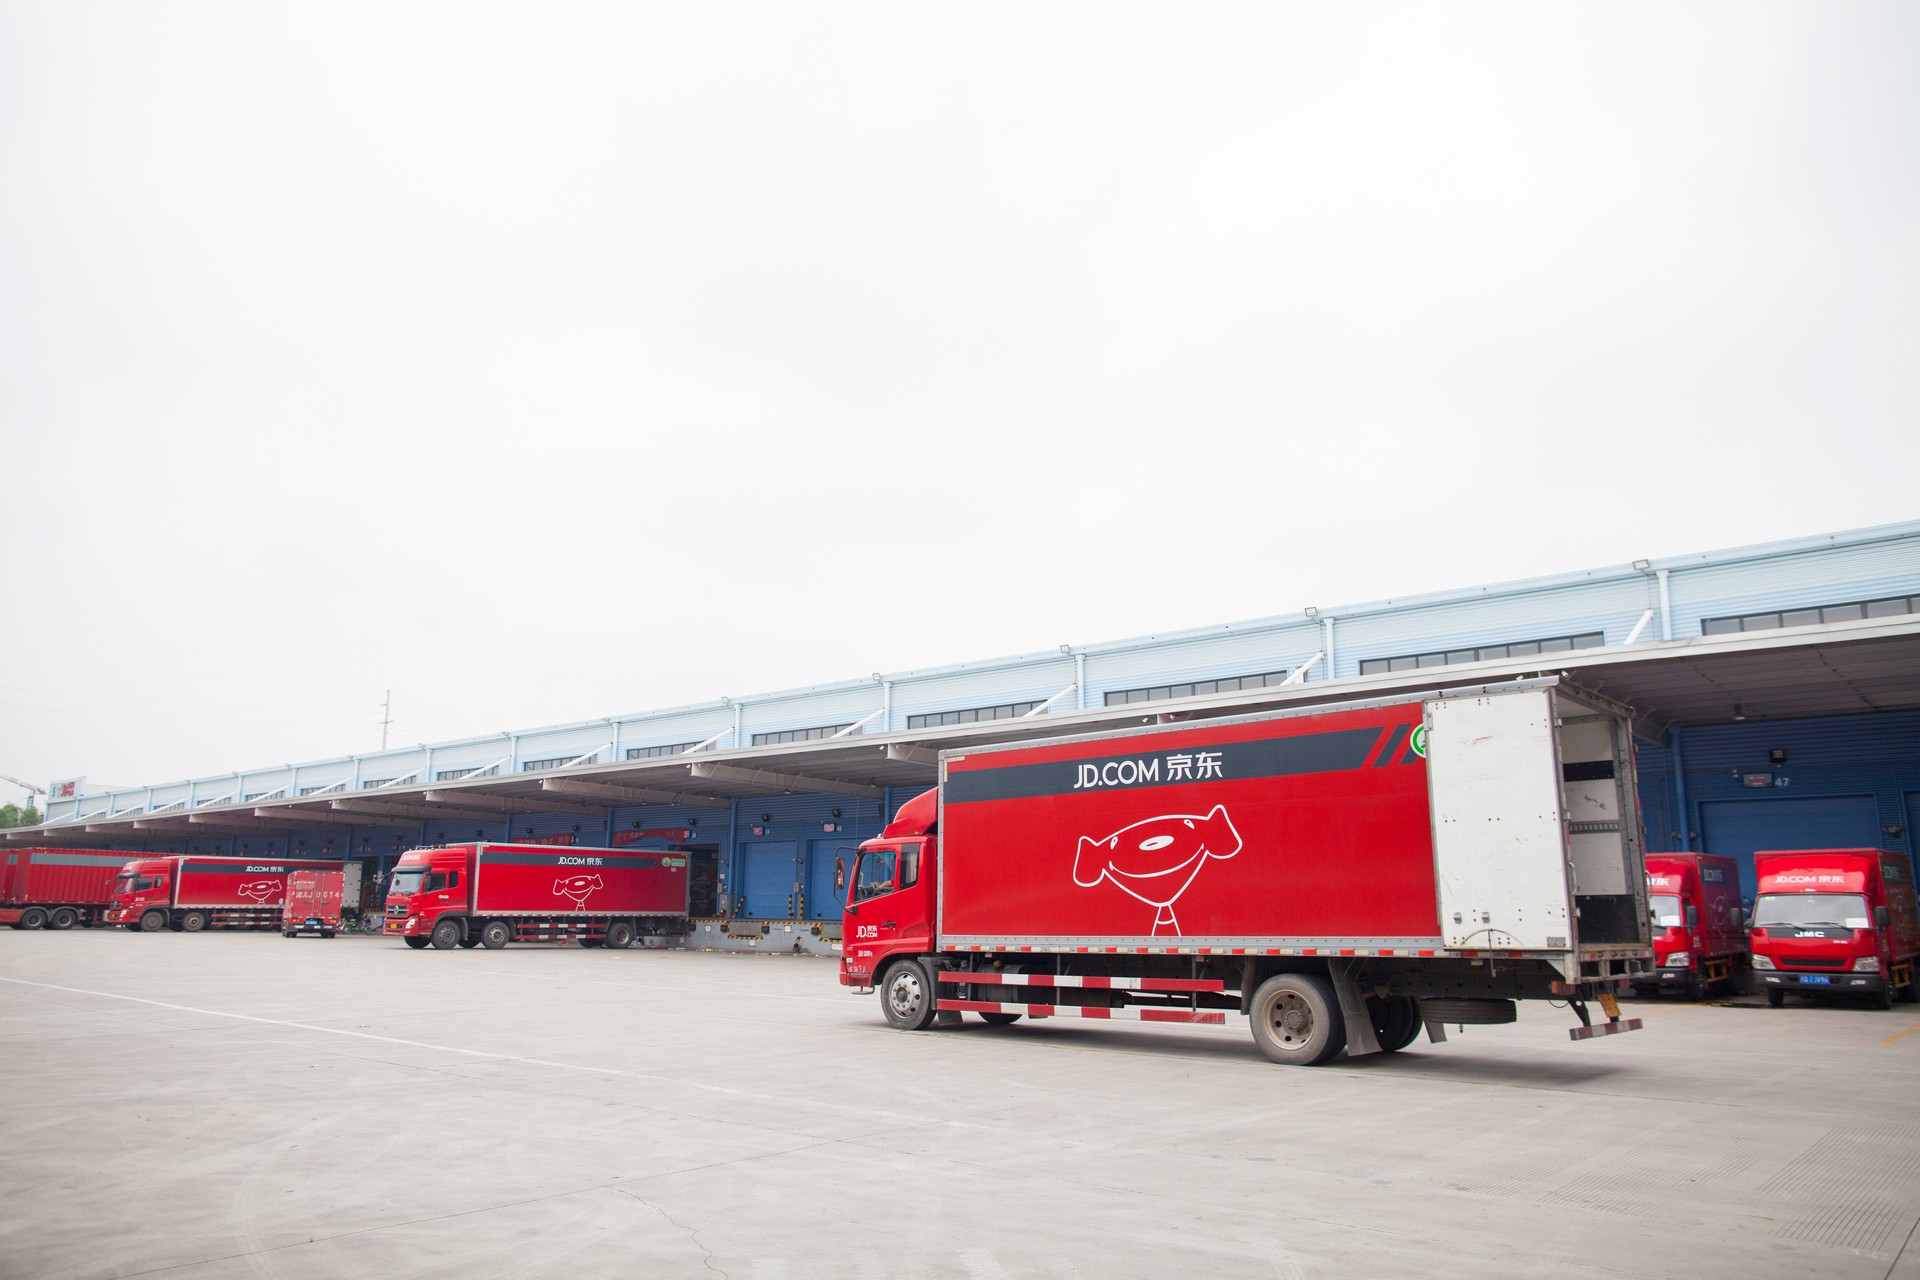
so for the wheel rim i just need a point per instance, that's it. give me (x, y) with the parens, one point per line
(1291, 1019)
(904, 995)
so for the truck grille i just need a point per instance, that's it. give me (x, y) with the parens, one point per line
(1815, 962)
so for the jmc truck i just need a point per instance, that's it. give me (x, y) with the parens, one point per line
(466, 895)
(1341, 875)
(1700, 933)
(187, 893)
(1836, 922)
(57, 888)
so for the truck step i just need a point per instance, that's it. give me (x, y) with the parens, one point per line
(1603, 1029)
(1092, 982)
(1212, 1017)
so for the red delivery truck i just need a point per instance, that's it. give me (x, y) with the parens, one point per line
(1343, 875)
(1699, 930)
(188, 893)
(313, 903)
(488, 895)
(57, 888)
(1836, 922)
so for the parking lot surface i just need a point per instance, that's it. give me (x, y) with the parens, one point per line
(238, 1105)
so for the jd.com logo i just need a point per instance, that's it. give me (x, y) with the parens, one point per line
(578, 888)
(1157, 859)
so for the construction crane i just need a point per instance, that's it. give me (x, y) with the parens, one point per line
(32, 790)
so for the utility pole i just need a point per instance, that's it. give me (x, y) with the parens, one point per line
(386, 718)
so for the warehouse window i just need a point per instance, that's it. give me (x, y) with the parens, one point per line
(798, 735)
(649, 753)
(372, 784)
(1887, 607)
(454, 775)
(1195, 688)
(972, 715)
(541, 766)
(1483, 653)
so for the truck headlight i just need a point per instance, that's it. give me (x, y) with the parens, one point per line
(1680, 960)
(1867, 964)
(1762, 962)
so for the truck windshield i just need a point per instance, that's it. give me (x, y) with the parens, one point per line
(126, 882)
(1841, 910)
(406, 880)
(1666, 911)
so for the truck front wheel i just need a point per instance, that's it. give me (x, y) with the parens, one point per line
(906, 996)
(1776, 998)
(1296, 1020)
(153, 922)
(446, 935)
(416, 944)
(495, 935)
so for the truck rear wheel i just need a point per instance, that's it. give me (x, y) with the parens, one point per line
(415, 943)
(33, 918)
(1396, 1022)
(619, 935)
(193, 921)
(446, 935)
(153, 922)
(496, 935)
(906, 996)
(62, 918)
(1296, 1020)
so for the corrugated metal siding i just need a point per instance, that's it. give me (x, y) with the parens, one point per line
(1240, 653)
(1612, 608)
(810, 711)
(769, 876)
(1032, 682)
(692, 726)
(1833, 576)
(1833, 756)
(565, 744)
(1739, 828)
(393, 764)
(1653, 768)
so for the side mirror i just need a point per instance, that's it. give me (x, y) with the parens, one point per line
(1693, 916)
(1881, 918)
(853, 908)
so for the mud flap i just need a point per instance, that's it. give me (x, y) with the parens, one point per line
(1361, 1039)
(1436, 1033)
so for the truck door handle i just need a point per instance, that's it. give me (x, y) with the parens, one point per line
(888, 924)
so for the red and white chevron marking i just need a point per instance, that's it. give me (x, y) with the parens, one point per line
(1093, 982)
(1211, 1017)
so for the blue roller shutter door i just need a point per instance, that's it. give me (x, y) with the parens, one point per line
(1739, 827)
(823, 900)
(767, 876)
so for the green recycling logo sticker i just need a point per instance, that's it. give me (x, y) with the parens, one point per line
(1419, 741)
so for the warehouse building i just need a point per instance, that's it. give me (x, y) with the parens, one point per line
(1776, 692)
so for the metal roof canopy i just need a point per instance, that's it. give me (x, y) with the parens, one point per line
(1842, 668)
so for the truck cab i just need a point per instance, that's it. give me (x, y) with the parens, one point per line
(1836, 922)
(1699, 934)
(142, 895)
(890, 907)
(426, 884)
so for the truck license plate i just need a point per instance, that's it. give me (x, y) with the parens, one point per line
(1814, 980)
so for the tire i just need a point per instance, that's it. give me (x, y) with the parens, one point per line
(589, 943)
(33, 918)
(446, 935)
(1296, 1020)
(467, 943)
(496, 935)
(1883, 998)
(906, 996)
(1396, 1022)
(1776, 998)
(619, 936)
(193, 921)
(326, 933)
(62, 918)
(999, 1019)
(289, 933)
(153, 922)
(416, 944)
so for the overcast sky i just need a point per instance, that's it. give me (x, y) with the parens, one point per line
(542, 362)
